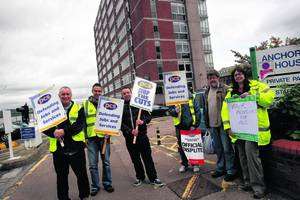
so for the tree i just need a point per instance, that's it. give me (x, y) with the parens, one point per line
(273, 42)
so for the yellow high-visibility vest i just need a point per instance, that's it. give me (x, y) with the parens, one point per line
(73, 115)
(265, 97)
(177, 120)
(90, 115)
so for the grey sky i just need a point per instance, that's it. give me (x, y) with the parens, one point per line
(240, 24)
(46, 42)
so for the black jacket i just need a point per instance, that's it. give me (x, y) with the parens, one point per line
(70, 146)
(126, 126)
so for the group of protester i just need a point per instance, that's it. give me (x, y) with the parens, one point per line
(68, 139)
(217, 121)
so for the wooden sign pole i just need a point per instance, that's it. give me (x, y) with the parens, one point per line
(137, 127)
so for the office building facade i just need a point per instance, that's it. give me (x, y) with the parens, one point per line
(145, 38)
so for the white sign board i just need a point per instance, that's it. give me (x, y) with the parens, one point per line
(243, 117)
(7, 121)
(143, 94)
(109, 116)
(48, 109)
(175, 86)
(192, 145)
(289, 79)
(276, 61)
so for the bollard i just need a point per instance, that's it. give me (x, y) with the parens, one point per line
(158, 136)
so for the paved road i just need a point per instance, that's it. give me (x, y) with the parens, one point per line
(39, 182)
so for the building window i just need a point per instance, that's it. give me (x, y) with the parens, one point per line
(182, 49)
(116, 71)
(160, 71)
(126, 79)
(123, 48)
(125, 63)
(159, 89)
(109, 76)
(122, 33)
(119, 5)
(157, 48)
(178, 11)
(153, 8)
(190, 86)
(111, 87)
(120, 18)
(180, 30)
(115, 58)
(155, 29)
(117, 83)
(110, 8)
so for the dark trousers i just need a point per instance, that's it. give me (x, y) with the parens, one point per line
(78, 164)
(136, 151)
(184, 160)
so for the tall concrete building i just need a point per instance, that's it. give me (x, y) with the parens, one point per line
(145, 38)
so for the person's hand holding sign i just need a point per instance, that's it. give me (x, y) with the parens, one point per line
(135, 132)
(244, 94)
(59, 133)
(139, 122)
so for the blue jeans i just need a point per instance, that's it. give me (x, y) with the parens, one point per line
(94, 151)
(223, 148)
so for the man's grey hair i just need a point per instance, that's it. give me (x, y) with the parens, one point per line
(65, 87)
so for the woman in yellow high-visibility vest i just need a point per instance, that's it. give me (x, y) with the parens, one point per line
(249, 151)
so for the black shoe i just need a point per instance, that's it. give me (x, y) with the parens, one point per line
(94, 192)
(157, 183)
(258, 195)
(246, 188)
(109, 189)
(217, 174)
(137, 182)
(229, 177)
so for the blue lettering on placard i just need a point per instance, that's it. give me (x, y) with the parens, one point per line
(142, 101)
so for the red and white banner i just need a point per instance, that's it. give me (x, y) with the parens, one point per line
(192, 145)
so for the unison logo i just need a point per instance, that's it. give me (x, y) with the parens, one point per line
(44, 99)
(110, 106)
(145, 85)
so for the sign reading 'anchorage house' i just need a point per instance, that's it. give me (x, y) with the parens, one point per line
(277, 66)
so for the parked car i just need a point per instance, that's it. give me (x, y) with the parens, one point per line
(159, 111)
(15, 135)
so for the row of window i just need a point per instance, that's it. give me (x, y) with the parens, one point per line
(118, 83)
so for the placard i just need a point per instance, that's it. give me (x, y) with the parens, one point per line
(27, 133)
(192, 145)
(109, 116)
(143, 94)
(243, 117)
(48, 109)
(175, 87)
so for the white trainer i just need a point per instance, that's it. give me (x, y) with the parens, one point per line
(182, 169)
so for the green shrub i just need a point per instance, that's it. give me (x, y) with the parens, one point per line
(285, 114)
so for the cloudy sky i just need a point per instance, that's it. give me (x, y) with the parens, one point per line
(46, 42)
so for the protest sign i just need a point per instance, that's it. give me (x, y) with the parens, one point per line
(192, 145)
(243, 117)
(27, 133)
(109, 116)
(175, 87)
(143, 94)
(48, 109)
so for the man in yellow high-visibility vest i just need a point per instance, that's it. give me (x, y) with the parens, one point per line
(71, 153)
(185, 117)
(95, 143)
